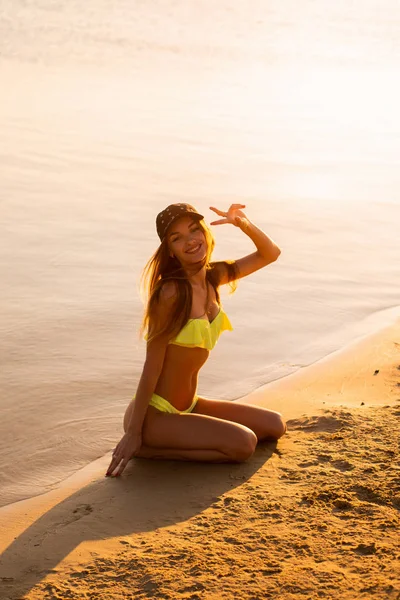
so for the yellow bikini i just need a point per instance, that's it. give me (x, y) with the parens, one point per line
(200, 333)
(197, 333)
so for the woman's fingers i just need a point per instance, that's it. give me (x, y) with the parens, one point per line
(232, 206)
(111, 468)
(114, 464)
(220, 222)
(118, 465)
(123, 452)
(221, 213)
(230, 216)
(121, 467)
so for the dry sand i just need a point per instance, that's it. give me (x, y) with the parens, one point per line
(314, 516)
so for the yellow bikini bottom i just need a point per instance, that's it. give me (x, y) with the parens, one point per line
(165, 406)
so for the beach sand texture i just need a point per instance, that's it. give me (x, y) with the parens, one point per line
(314, 516)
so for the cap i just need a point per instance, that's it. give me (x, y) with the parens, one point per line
(173, 212)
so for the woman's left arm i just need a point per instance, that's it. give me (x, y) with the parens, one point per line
(267, 251)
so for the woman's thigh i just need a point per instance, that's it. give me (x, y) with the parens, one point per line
(194, 432)
(265, 423)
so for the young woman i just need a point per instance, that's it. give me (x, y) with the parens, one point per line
(183, 320)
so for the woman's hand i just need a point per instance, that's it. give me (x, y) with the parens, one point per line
(127, 448)
(235, 216)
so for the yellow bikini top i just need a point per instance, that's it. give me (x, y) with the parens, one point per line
(201, 333)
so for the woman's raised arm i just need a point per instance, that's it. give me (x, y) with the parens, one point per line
(267, 251)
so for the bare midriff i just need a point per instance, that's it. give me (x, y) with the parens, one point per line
(178, 379)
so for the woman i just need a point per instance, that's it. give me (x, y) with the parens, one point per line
(183, 319)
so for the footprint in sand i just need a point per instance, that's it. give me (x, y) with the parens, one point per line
(368, 494)
(342, 465)
(80, 511)
(366, 549)
(324, 457)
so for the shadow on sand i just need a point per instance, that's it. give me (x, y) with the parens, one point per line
(150, 495)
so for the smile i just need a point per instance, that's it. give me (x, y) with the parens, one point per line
(194, 250)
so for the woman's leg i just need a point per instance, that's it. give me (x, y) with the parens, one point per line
(195, 437)
(265, 423)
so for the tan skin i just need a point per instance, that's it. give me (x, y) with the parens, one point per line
(216, 430)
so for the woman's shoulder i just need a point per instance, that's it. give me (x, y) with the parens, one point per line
(168, 291)
(163, 303)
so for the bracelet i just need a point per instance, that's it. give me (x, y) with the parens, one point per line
(246, 225)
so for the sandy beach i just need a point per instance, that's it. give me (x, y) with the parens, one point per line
(314, 516)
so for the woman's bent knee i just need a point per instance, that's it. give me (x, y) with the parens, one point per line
(279, 428)
(243, 446)
(276, 427)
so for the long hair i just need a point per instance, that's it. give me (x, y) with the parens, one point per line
(162, 268)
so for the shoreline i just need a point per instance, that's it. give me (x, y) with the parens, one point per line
(73, 411)
(335, 464)
(272, 394)
(362, 353)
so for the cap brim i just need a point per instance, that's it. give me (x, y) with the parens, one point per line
(198, 215)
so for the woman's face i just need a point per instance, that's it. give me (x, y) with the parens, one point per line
(186, 241)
